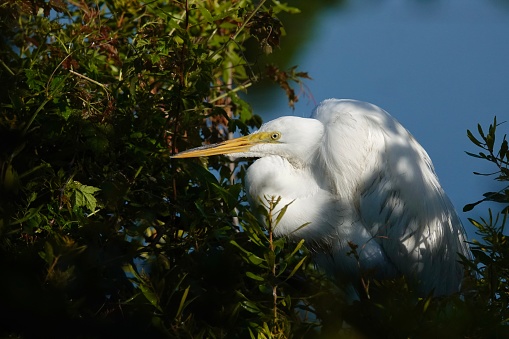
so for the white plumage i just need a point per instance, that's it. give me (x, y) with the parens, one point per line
(352, 173)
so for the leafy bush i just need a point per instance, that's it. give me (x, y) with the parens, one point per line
(99, 231)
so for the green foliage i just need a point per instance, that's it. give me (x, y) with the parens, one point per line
(100, 232)
(500, 158)
(492, 250)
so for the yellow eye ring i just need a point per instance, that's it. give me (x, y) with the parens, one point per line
(275, 136)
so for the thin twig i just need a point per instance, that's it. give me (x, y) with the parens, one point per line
(236, 89)
(7, 67)
(92, 81)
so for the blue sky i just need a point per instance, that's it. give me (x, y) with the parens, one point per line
(439, 67)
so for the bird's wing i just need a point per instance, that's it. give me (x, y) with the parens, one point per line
(373, 161)
(419, 231)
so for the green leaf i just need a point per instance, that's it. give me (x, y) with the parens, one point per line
(296, 268)
(474, 155)
(504, 147)
(206, 14)
(475, 223)
(490, 141)
(250, 257)
(282, 212)
(201, 173)
(254, 276)
(265, 289)
(473, 139)
(57, 83)
(32, 212)
(66, 112)
(283, 7)
(301, 227)
(481, 132)
(151, 296)
(251, 307)
(295, 250)
(89, 189)
(84, 195)
(33, 81)
(183, 301)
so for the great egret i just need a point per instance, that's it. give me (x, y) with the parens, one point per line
(353, 174)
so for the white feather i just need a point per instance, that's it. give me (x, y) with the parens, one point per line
(362, 177)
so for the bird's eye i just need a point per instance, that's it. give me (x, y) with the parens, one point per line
(275, 136)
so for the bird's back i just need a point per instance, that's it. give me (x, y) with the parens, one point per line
(376, 167)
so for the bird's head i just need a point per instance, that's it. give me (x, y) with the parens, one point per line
(293, 138)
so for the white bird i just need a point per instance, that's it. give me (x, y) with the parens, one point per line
(352, 173)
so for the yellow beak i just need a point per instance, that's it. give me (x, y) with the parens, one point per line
(238, 145)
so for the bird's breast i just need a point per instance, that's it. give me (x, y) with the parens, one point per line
(274, 175)
(308, 203)
(313, 213)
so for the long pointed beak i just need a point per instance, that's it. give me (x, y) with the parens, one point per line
(238, 145)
